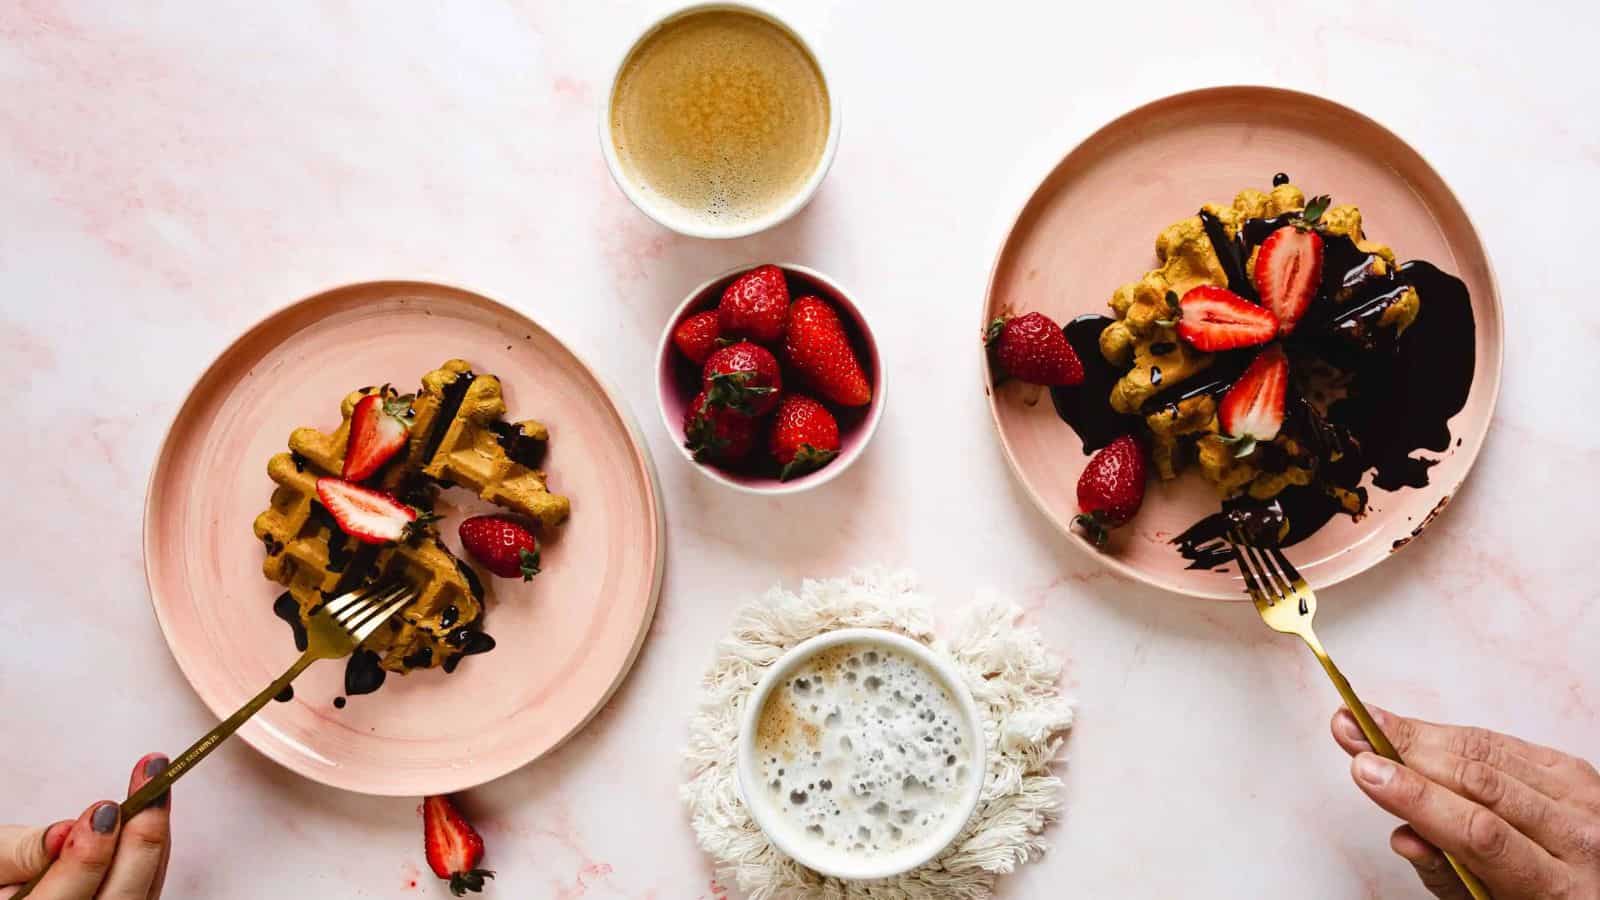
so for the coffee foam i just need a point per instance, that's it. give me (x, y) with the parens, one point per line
(720, 116)
(862, 751)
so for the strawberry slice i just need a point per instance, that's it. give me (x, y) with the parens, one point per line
(1289, 272)
(453, 847)
(369, 516)
(1216, 319)
(379, 426)
(1252, 410)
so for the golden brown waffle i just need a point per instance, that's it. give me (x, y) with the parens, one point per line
(457, 437)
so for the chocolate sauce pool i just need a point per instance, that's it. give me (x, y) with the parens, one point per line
(1400, 396)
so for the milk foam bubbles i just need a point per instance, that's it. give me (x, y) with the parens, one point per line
(862, 751)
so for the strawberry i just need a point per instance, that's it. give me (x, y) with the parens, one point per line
(1034, 349)
(379, 426)
(819, 350)
(453, 847)
(370, 516)
(805, 436)
(1215, 318)
(1111, 488)
(755, 306)
(743, 377)
(1289, 266)
(1252, 410)
(696, 337)
(716, 433)
(504, 545)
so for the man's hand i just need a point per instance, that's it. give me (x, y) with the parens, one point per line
(1524, 818)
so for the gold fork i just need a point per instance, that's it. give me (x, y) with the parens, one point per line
(1287, 604)
(333, 631)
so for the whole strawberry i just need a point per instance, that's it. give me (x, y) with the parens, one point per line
(716, 433)
(819, 351)
(755, 306)
(696, 337)
(1111, 488)
(504, 545)
(453, 847)
(744, 377)
(1034, 349)
(805, 436)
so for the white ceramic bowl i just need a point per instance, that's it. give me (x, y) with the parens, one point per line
(677, 381)
(890, 864)
(687, 225)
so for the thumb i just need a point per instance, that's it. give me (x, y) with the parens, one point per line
(25, 852)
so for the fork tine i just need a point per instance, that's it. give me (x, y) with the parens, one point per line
(1274, 588)
(343, 601)
(359, 612)
(1245, 569)
(1289, 570)
(1270, 558)
(366, 628)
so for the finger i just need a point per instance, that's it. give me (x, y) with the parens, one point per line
(1433, 870)
(24, 852)
(1546, 771)
(143, 843)
(1508, 861)
(85, 856)
(1347, 733)
(1533, 813)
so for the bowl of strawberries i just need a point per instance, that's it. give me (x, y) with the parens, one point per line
(769, 378)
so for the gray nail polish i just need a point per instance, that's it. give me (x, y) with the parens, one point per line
(155, 766)
(104, 818)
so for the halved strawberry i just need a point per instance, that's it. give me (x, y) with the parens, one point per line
(379, 426)
(1289, 272)
(372, 517)
(1252, 410)
(452, 846)
(1216, 319)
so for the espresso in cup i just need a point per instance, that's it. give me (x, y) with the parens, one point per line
(863, 753)
(719, 119)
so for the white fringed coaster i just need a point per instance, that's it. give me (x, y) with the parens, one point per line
(1011, 674)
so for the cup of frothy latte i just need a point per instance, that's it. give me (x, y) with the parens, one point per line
(861, 754)
(718, 122)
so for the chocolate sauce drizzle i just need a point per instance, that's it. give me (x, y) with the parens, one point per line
(1401, 391)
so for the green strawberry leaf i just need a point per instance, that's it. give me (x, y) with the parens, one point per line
(1315, 208)
(806, 459)
(529, 563)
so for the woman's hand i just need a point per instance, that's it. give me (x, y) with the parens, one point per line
(1524, 818)
(97, 857)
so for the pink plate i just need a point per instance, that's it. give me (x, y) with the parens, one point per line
(565, 640)
(1091, 226)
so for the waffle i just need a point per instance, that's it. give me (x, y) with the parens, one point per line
(457, 437)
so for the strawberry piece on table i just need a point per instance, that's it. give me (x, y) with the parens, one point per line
(696, 337)
(370, 516)
(1215, 319)
(755, 306)
(819, 350)
(715, 433)
(503, 544)
(1111, 488)
(1289, 266)
(744, 377)
(453, 847)
(1252, 410)
(1033, 348)
(805, 436)
(379, 427)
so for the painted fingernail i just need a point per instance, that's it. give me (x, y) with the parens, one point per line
(1374, 769)
(153, 767)
(104, 818)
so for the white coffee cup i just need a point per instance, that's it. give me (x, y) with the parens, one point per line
(841, 865)
(684, 223)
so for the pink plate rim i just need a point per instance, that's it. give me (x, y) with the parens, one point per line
(1200, 94)
(642, 458)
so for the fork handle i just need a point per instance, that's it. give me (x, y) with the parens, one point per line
(1381, 745)
(187, 760)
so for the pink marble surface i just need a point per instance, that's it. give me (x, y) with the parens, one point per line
(175, 171)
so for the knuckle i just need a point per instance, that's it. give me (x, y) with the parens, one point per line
(1486, 835)
(1472, 743)
(27, 854)
(1586, 839)
(1481, 781)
